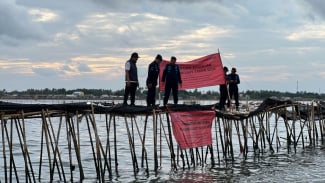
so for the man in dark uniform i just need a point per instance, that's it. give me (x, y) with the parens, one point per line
(223, 90)
(131, 78)
(171, 77)
(153, 73)
(233, 86)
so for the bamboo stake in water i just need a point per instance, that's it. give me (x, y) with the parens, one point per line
(4, 147)
(76, 147)
(130, 145)
(155, 141)
(171, 143)
(115, 144)
(92, 146)
(217, 144)
(68, 132)
(12, 160)
(56, 150)
(108, 146)
(143, 141)
(52, 147)
(25, 146)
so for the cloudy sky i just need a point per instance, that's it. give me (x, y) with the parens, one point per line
(275, 45)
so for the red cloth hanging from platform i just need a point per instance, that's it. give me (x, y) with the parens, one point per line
(192, 128)
(201, 72)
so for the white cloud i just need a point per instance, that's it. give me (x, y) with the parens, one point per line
(17, 24)
(308, 32)
(43, 15)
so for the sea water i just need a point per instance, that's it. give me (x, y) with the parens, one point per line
(305, 165)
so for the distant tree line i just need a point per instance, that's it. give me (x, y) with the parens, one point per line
(141, 94)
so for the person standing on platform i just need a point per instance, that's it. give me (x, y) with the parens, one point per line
(223, 89)
(233, 86)
(172, 78)
(153, 73)
(131, 79)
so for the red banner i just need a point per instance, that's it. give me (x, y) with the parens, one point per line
(201, 72)
(192, 128)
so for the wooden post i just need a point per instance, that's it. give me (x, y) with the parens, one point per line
(217, 144)
(172, 153)
(4, 147)
(92, 147)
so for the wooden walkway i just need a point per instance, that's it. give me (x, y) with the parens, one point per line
(61, 152)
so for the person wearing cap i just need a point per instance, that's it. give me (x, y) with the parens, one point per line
(172, 78)
(233, 86)
(153, 73)
(223, 90)
(131, 79)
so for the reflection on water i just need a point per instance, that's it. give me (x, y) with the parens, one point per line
(306, 165)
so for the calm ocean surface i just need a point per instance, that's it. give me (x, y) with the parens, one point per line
(306, 165)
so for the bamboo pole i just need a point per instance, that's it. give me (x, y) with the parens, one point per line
(142, 139)
(301, 129)
(313, 124)
(25, 147)
(231, 144)
(246, 138)
(41, 155)
(56, 149)
(134, 122)
(131, 146)
(241, 148)
(143, 142)
(68, 132)
(172, 155)
(261, 130)
(12, 160)
(217, 144)
(76, 147)
(221, 139)
(92, 147)
(45, 133)
(166, 134)
(20, 137)
(4, 147)
(294, 129)
(115, 145)
(98, 144)
(160, 140)
(254, 132)
(319, 117)
(277, 132)
(53, 149)
(154, 130)
(108, 146)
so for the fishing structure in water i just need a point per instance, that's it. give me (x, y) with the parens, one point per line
(255, 131)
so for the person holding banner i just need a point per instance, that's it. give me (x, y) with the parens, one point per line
(233, 86)
(171, 77)
(223, 88)
(131, 79)
(153, 73)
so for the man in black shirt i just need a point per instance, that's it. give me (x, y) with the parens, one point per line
(171, 77)
(153, 73)
(233, 86)
(223, 90)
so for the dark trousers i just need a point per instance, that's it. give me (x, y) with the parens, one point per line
(151, 96)
(233, 92)
(223, 96)
(130, 90)
(169, 87)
